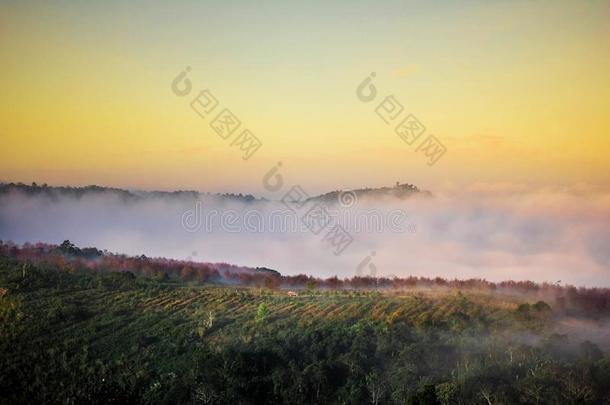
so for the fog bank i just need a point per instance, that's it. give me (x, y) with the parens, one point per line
(490, 231)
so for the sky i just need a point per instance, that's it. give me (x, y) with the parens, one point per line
(517, 92)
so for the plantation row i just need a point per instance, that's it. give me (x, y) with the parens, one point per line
(569, 299)
(101, 337)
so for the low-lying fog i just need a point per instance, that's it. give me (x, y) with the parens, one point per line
(485, 231)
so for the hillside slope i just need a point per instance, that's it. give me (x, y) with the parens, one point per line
(94, 337)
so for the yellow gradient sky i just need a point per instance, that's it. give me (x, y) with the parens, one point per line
(517, 91)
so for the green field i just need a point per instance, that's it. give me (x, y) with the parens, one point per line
(94, 337)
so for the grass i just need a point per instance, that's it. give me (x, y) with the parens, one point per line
(87, 337)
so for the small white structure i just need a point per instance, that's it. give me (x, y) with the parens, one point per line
(293, 294)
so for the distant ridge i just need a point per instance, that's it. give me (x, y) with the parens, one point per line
(79, 192)
(399, 191)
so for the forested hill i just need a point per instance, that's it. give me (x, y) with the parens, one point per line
(588, 302)
(399, 191)
(127, 195)
(72, 258)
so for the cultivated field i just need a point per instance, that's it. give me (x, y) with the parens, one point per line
(89, 336)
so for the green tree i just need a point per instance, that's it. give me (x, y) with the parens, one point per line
(310, 286)
(269, 283)
(446, 393)
(261, 313)
(68, 248)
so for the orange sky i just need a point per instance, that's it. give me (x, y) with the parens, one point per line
(516, 92)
